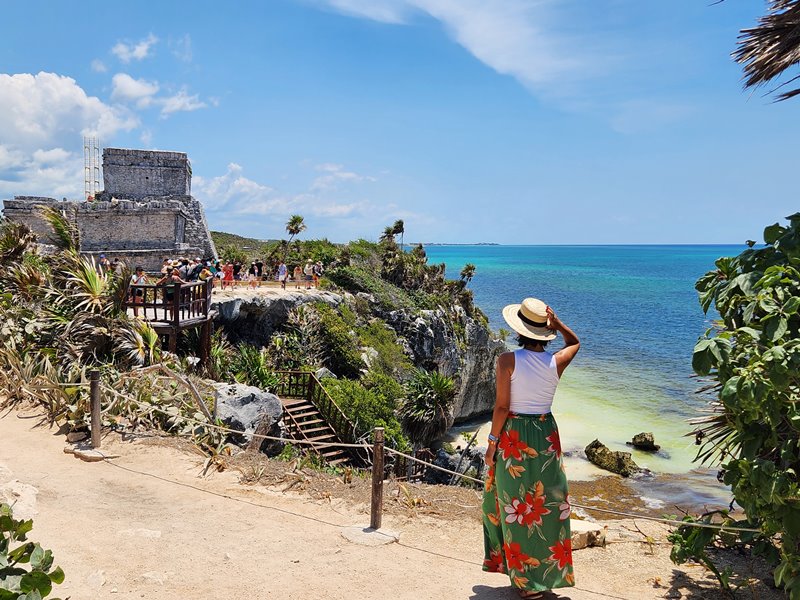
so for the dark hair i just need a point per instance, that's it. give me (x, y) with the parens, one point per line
(139, 268)
(526, 341)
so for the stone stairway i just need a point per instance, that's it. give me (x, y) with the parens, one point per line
(305, 422)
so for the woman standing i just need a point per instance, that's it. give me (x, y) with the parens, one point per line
(526, 509)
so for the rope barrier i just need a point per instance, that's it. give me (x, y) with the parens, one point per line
(675, 522)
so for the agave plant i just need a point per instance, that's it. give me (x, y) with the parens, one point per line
(15, 240)
(427, 411)
(138, 344)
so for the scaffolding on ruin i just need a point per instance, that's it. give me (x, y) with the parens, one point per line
(91, 168)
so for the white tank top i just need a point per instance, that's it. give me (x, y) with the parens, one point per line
(533, 382)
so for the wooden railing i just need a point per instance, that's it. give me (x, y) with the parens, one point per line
(301, 384)
(174, 303)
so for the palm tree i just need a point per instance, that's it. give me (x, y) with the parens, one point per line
(295, 226)
(467, 273)
(399, 229)
(771, 47)
(427, 412)
(388, 235)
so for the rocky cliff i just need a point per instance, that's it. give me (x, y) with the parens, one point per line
(446, 339)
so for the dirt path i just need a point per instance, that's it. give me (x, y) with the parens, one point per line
(144, 525)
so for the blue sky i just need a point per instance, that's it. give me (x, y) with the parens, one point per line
(511, 121)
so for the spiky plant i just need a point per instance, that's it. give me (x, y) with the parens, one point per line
(427, 411)
(15, 240)
(66, 232)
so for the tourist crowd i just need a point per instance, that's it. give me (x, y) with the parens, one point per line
(223, 273)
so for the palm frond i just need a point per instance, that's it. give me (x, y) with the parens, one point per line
(772, 47)
(66, 231)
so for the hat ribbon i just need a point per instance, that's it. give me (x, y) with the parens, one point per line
(530, 322)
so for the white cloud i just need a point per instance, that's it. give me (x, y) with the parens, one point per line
(385, 11)
(98, 66)
(234, 194)
(127, 89)
(182, 48)
(127, 52)
(43, 120)
(335, 175)
(513, 37)
(181, 101)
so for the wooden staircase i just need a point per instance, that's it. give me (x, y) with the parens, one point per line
(305, 422)
(312, 415)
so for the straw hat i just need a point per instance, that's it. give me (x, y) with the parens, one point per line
(529, 319)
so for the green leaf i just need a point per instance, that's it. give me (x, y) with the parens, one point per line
(776, 328)
(57, 575)
(37, 556)
(773, 232)
(36, 580)
(792, 305)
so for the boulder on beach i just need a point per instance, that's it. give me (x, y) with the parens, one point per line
(644, 441)
(616, 462)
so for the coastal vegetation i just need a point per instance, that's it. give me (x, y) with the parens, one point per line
(61, 317)
(26, 569)
(751, 357)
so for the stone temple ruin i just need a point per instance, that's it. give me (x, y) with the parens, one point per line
(145, 213)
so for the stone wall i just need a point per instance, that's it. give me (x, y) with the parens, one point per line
(128, 225)
(135, 174)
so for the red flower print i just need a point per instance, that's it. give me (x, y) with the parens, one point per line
(489, 483)
(511, 445)
(495, 562)
(555, 443)
(562, 553)
(565, 509)
(536, 509)
(516, 511)
(515, 558)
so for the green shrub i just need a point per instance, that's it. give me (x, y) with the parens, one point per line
(391, 359)
(427, 411)
(340, 344)
(753, 356)
(26, 569)
(368, 408)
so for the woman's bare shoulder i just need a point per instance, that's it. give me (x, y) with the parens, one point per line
(506, 359)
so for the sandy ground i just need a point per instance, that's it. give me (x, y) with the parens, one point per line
(145, 524)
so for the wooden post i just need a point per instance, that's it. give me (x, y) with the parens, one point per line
(94, 397)
(176, 305)
(376, 507)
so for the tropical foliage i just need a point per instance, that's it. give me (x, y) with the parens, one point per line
(752, 356)
(26, 569)
(427, 411)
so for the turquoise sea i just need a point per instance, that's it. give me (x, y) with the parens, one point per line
(636, 312)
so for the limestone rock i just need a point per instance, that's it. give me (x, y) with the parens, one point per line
(254, 317)
(243, 407)
(616, 462)
(644, 441)
(324, 373)
(473, 462)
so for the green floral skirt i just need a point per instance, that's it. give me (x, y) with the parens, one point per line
(526, 507)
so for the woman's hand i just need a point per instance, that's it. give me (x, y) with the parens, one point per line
(553, 322)
(489, 458)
